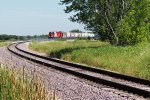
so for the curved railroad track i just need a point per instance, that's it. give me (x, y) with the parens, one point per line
(130, 84)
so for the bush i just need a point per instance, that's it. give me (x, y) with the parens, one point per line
(130, 35)
(135, 26)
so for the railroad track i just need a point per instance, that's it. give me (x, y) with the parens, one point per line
(122, 82)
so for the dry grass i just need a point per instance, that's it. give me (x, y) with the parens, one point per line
(16, 86)
(4, 43)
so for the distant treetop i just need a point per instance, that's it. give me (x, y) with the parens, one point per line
(76, 31)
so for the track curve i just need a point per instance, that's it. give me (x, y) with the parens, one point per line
(119, 81)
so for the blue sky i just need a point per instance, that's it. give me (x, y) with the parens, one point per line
(30, 17)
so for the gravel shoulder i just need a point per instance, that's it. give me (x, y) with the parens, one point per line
(67, 87)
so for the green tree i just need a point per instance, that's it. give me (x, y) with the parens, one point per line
(106, 17)
(76, 31)
(135, 27)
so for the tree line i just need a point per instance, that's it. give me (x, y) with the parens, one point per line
(121, 22)
(5, 37)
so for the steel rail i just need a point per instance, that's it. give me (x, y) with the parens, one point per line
(123, 87)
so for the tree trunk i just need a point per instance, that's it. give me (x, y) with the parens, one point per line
(112, 34)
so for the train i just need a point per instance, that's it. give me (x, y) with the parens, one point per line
(60, 34)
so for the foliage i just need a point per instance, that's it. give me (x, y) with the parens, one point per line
(129, 60)
(4, 37)
(108, 18)
(8, 37)
(76, 31)
(135, 27)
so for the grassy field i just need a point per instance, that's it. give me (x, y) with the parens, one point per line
(129, 60)
(3, 43)
(14, 86)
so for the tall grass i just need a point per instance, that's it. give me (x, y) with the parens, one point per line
(58, 48)
(129, 60)
(3, 43)
(14, 86)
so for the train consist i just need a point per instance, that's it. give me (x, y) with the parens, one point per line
(60, 34)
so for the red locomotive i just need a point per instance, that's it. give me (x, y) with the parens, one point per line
(55, 34)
